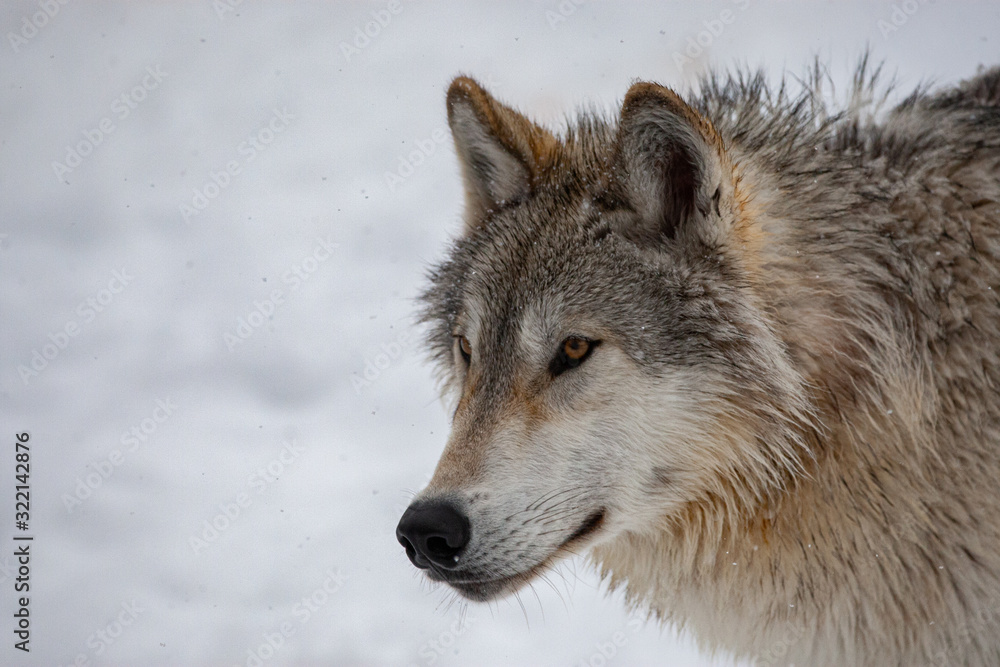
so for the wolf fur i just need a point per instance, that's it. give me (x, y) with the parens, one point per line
(786, 438)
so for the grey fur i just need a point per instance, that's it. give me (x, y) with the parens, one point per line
(830, 279)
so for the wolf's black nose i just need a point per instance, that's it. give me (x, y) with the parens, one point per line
(433, 533)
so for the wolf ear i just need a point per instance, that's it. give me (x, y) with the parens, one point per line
(501, 152)
(668, 160)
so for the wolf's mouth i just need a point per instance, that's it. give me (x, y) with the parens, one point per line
(592, 524)
(483, 590)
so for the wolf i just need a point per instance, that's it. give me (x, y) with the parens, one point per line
(743, 348)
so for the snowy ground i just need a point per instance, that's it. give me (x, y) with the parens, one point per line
(190, 307)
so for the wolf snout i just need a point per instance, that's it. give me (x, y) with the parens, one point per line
(433, 533)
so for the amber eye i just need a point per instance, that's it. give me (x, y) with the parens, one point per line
(573, 352)
(465, 348)
(576, 348)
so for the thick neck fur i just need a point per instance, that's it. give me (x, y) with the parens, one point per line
(858, 545)
(850, 516)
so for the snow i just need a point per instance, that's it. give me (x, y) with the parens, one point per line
(303, 469)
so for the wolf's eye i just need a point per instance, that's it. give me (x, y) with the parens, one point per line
(573, 352)
(465, 348)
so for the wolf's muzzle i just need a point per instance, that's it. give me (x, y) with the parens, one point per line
(433, 534)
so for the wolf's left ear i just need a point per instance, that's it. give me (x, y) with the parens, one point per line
(501, 152)
(668, 161)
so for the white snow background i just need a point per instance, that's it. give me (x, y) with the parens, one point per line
(302, 461)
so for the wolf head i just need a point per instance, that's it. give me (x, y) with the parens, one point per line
(601, 330)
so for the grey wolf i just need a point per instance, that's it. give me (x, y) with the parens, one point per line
(743, 348)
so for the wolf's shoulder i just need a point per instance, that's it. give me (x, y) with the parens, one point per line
(981, 90)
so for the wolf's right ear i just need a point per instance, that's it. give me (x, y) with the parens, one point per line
(668, 160)
(501, 152)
